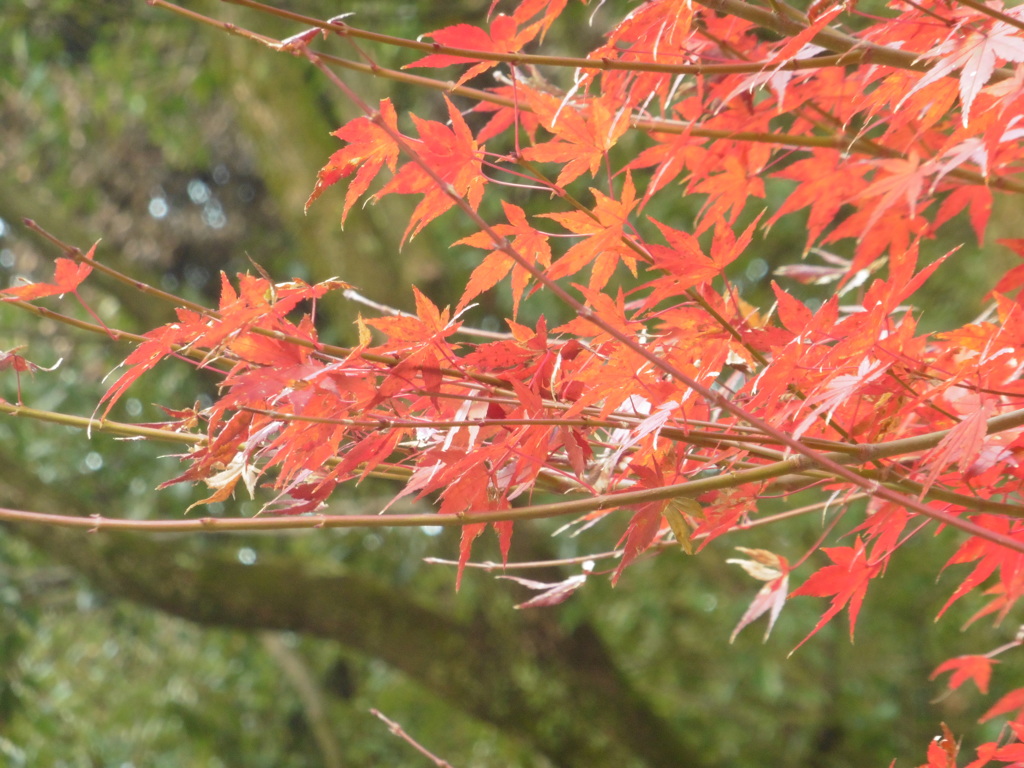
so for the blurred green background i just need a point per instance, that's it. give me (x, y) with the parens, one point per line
(189, 152)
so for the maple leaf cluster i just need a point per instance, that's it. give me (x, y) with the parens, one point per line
(667, 395)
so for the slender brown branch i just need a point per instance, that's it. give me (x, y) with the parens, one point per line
(398, 731)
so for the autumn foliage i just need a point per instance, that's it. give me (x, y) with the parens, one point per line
(669, 405)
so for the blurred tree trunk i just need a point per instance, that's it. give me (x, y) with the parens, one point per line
(558, 690)
(581, 712)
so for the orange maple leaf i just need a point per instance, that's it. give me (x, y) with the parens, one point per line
(454, 156)
(583, 135)
(526, 240)
(604, 245)
(728, 192)
(504, 37)
(370, 148)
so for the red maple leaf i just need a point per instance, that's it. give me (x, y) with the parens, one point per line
(973, 667)
(68, 275)
(682, 258)
(159, 343)
(640, 534)
(651, 28)
(903, 179)
(978, 202)
(846, 581)
(942, 750)
(962, 444)
(526, 10)
(1014, 278)
(991, 558)
(429, 323)
(728, 191)
(826, 183)
(1011, 702)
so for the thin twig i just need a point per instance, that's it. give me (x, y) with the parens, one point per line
(398, 731)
